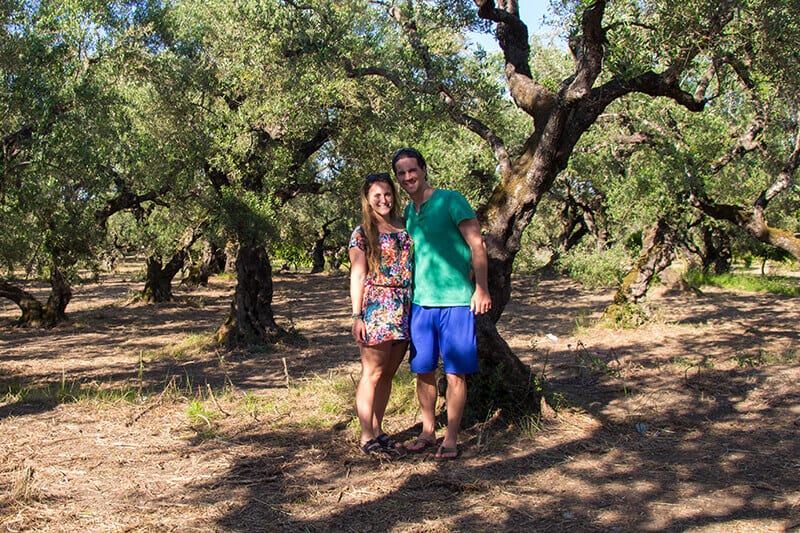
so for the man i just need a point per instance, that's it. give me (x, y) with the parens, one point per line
(448, 251)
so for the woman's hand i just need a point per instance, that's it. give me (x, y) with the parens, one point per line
(359, 330)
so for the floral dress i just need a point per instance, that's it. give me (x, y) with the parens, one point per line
(387, 293)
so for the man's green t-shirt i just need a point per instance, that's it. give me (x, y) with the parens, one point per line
(442, 258)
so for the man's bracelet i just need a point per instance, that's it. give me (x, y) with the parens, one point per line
(359, 316)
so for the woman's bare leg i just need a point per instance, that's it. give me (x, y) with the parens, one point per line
(373, 365)
(383, 389)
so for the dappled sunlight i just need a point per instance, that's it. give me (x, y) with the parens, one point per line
(660, 428)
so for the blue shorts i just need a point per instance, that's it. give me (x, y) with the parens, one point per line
(449, 331)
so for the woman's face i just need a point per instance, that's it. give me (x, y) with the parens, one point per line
(380, 198)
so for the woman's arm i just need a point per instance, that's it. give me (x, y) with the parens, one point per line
(358, 273)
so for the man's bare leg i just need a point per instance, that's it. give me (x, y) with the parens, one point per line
(426, 395)
(456, 401)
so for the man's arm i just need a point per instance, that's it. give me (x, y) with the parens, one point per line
(481, 301)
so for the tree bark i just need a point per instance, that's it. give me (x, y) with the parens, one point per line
(560, 117)
(656, 255)
(60, 296)
(34, 314)
(158, 282)
(212, 261)
(251, 320)
(318, 255)
(717, 255)
(491, 387)
(231, 252)
(753, 222)
(32, 309)
(319, 248)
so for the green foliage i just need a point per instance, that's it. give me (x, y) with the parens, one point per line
(249, 215)
(596, 269)
(625, 316)
(226, 112)
(751, 250)
(744, 282)
(256, 406)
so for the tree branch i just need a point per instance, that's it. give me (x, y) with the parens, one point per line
(589, 54)
(747, 142)
(126, 198)
(512, 36)
(753, 221)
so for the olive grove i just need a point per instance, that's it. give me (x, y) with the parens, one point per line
(174, 130)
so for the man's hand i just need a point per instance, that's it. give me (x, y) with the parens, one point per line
(481, 302)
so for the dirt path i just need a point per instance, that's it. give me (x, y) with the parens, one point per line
(688, 424)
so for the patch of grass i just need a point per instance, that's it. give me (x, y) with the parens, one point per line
(685, 363)
(314, 421)
(530, 425)
(762, 358)
(583, 321)
(201, 419)
(68, 392)
(256, 406)
(192, 345)
(317, 403)
(404, 393)
(681, 362)
(328, 401)
(744, 282)
(597, 362)
(556, 400)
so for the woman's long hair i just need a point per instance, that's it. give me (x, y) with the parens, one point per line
(370, 224)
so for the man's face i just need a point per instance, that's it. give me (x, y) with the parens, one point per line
(409, 175)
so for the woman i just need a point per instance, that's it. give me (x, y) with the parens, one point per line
(380, 291)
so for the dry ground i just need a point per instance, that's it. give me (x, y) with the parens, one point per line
(688, 424)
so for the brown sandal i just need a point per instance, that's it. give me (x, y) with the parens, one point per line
(388, 443)
(445, 454)
(419, 444)
(374, 449)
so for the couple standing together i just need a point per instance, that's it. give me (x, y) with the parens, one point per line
(437, 249)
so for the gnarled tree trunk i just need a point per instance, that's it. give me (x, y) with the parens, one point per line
(158, 282)
(60, 296)
(32, 310)
(655, 256)
(318, 255)
(717, 255)
(158, 278)
(251, 319)
(212, 261)
(320, 248)
(231, 252)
